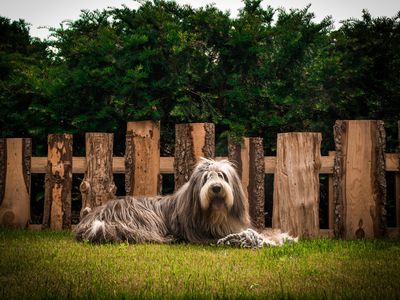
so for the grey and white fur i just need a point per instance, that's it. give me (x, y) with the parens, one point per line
(210, 208)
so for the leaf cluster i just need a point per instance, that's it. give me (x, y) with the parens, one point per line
(266, 71)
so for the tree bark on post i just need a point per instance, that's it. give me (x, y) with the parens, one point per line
(192, 141)
(398, 181)
(296, 184)
(98, 186)
(248, 159)
(359, 179)
(142, 158)
(331, 206)
(58, 182)
(15, 181)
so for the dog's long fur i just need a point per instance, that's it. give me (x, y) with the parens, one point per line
(208, 207)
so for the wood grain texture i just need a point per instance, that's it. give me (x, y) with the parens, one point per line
(331, 205)
(248, 159)
(359, 179)
(296, 184)
(142, 158)
(58, 182)
(256, 185)
(397, 179)
(192, 141)
(98, 186)
(167, 164)
(15, 205)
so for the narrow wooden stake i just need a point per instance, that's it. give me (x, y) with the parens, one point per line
(15, 181)
(248, 158)
(398, 182)
(98, 186)
(359, 179)
(331, 207)
(192, 141)
(58, 182)
(142, 158)
(296, 184)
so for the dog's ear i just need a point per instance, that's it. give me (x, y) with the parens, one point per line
(240, 208)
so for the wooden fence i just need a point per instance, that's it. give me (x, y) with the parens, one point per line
(357, 169)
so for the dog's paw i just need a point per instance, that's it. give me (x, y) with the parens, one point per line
(245, 239)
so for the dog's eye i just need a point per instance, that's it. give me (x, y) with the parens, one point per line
(223, 176)
(205, 177)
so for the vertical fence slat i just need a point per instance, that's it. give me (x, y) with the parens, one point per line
(248, 158)
(16, 181)
(331, 206)
(296, 184)
(58, 182)
(256, 188)
(398, 181)
(238, 153)
(98, 185)
(359, 179)
(142, 158)
(192, 141)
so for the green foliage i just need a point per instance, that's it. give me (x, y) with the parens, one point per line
(266, 71)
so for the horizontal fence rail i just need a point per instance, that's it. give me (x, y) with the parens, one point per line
(356, 171)
(39, 164)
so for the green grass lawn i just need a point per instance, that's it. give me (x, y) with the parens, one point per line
(53, 265)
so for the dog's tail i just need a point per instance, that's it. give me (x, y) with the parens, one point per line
(94, 230)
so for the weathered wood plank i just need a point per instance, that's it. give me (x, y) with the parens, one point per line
(192, 141)
(58, 182)
(359, 179)
(15, 181)
(296, 184)
(142, 158)
(167, 164)
(270, 164)
(98, 186)
(393, 232)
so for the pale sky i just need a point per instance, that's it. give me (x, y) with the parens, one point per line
(50, 13)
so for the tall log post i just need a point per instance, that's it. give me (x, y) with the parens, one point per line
(58, 182)
(331, 205)
(98, 186)
(142, 158)
(398, 182)
(15, 181)
(296, 184)
(359, 179)
(192, 141)
(248, 159)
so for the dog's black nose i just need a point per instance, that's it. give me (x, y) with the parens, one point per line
(216, 188)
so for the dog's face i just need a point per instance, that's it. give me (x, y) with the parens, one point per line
(215, 194)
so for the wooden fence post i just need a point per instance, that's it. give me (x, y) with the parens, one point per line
(58, 182)
(248, 158)
(296, 184)
(359, 179)
(331, 206)
(398, 181)
(192, 141)
(98, 186)
(142, 158)
(15, 181)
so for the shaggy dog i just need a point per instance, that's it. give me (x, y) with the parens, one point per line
(210, 208)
